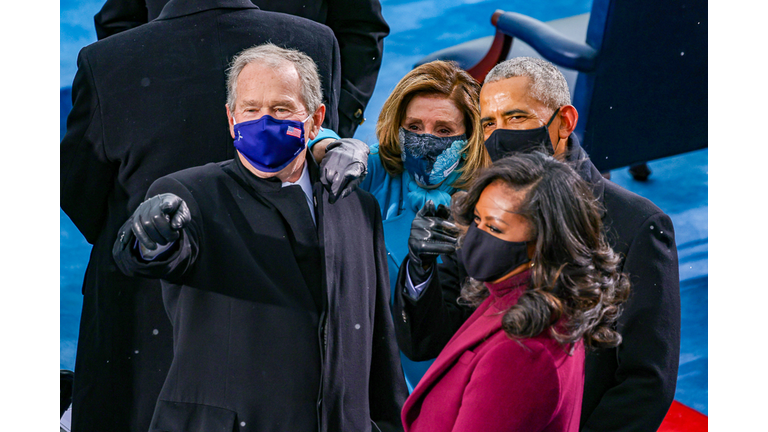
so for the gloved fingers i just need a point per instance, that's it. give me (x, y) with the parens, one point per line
(440, 238)
(443, 212)
(427, 210)
(148, 215)
(346, 184)
(433, 224)
(443, 226)
(162, 224)
(328, 171)
(343, 183)
(150, 225)
(354, 182)
(169, 203)
(432, 249)
(343, 167)
(182, 216)
(159, 214)
(339, 184)
(139, 231)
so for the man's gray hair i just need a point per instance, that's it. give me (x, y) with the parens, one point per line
(548, 85)
(275, 57)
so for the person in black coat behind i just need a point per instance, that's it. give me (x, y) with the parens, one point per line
(148, 102)
(358, 25)
(525, 105)
(279, 299)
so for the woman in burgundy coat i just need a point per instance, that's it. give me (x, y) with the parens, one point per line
(546, 287)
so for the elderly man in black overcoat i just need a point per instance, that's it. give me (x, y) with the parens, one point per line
(525, 105)
(279, 300)
(358, 25)
(146, 103)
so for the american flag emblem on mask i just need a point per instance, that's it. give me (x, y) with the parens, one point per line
(292, 131)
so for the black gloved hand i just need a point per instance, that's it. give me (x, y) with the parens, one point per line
(344, 167)
(157, 221)
(431, 235)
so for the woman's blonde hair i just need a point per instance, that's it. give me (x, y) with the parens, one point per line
(434, 78)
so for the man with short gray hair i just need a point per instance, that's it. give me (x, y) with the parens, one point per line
(279, 299)
(525, 105)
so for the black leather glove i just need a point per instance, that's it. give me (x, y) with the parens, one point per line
(344, 167)
(157, 221)
(431, 235)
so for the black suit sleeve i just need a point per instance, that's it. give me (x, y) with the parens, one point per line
(86, 172)
(177, 261)
(360, 29)
(387, 383)
(423, 327)
(650, 327)
(119, 15)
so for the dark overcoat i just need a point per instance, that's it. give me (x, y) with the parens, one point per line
(358, 25)
(629, 388)
(146, 103)
(278, 325)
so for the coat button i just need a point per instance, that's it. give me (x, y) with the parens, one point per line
(359, 115)
(405, 317)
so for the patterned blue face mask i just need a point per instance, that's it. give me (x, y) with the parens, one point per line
(429, 158)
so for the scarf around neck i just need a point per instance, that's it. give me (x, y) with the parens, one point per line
(417, 196)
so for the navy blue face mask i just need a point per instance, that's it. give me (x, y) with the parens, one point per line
(503, 142)
(430, 159)
(487, 258)
(270, 144)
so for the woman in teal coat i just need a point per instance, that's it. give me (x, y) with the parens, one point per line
(430, 146)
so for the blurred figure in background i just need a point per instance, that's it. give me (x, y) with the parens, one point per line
(546, 286)
(357, 24)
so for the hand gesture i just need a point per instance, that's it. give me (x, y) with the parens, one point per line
(158, 221)
(431, 235)
(344, 167)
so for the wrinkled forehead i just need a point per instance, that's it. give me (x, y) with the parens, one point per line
(507, 94)
(262, 79)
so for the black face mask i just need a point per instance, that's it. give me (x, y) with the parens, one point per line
(502, 142)
(487, 258)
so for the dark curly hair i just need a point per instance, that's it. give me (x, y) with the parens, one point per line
(576, 289)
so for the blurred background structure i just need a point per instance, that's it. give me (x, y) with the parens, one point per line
(419, 28)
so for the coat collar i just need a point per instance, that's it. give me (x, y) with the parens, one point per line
(484, 323)
(273, 184)
(509, 290)
(178, 8)
(586, 170)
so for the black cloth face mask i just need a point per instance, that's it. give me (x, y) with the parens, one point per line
(502, 142)
(487, 258)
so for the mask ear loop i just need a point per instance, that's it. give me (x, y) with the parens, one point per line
(551, 119)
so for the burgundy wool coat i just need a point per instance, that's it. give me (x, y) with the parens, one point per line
(485, 381)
